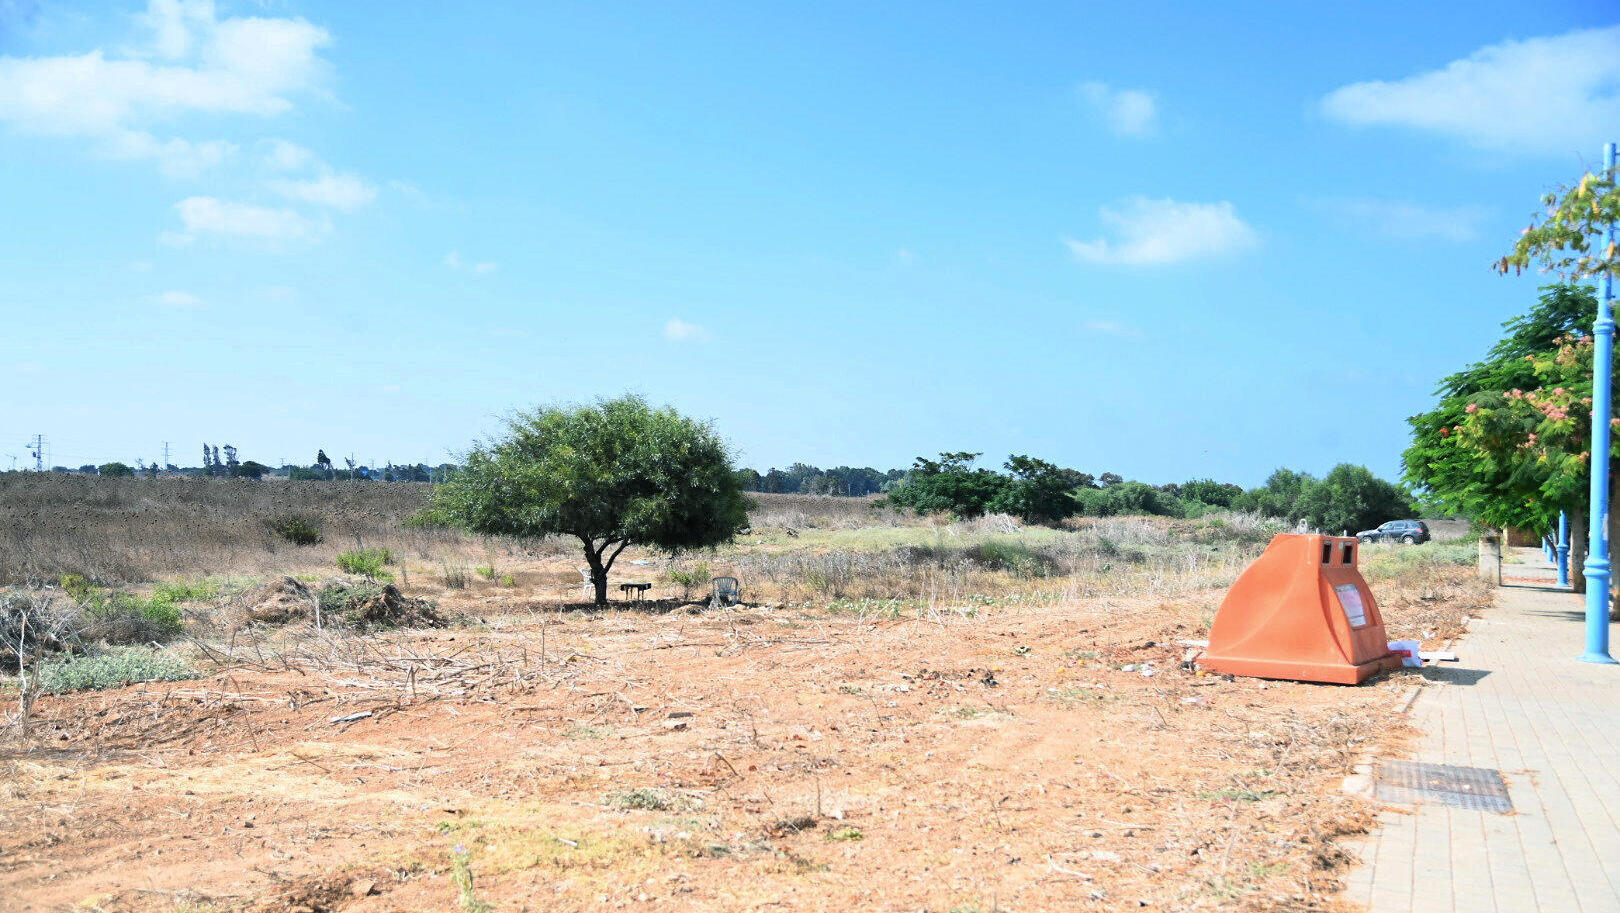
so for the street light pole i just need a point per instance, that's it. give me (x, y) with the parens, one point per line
(1563, 548)
(1597, 560)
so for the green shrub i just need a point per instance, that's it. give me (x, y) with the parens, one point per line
(76, 586)
(113, 669)
(508, 580)
(486, 571)
(1011, 556)
(698, 576)
(367, 562)
(371, 604)
(299, 529)
(121, 619)
(186, 590)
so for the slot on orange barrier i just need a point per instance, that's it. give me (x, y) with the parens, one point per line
(1301, 611)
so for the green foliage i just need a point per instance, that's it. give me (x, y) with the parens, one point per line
(689, 580)
(1350, 498)
(610, 474)
(1208, 491)
(186, 590)
(1473, 453)
(372, 604)
(949, 486)
(367, 562)
(461, 875)
(76, 586)
(1036, 492)
(299, 529)
(486, 571)
(123, 618)
(1565, 237)
(1012, 556)
(113, 669)
(115, 470)
(251, 469)
(1132, 498)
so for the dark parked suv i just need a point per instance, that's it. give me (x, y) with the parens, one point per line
(1410, 532)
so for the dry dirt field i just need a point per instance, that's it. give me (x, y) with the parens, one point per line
(985, 740)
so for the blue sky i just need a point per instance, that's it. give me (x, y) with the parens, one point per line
(1164, 240)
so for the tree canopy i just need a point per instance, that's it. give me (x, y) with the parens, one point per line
(1488, 473)
(1563, 237)
(610, 474)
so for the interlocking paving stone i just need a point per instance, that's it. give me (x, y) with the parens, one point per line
(1551, 726)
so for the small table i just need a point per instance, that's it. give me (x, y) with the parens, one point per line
(639, 588)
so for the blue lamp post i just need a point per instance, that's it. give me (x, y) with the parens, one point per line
(1597, 560)
(1563, 548)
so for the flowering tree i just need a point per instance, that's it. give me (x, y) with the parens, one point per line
(1503, 445)
(1562, 238)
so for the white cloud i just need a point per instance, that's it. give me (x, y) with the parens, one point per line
(213, 216)
(1153, 232)
(1412, 221)
(453, 260)
(1541, 95)
(339, 191)
(482, 268)
(1127, 112)
(176, 299)
(193, 64)
(175, 157)
(678, 330)
(285, 156)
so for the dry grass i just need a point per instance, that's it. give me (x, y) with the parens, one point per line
(965, 698)
(131, 530)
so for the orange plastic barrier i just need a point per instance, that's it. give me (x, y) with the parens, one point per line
(1301, 612)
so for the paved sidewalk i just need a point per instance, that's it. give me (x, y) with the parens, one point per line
(1519, 703)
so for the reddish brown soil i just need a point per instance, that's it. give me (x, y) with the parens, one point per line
(753, 759)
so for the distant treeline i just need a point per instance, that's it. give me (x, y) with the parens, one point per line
(804, 479)
(1350, 498)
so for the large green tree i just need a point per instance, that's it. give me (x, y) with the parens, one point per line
(1036, 492)
(1490, 477)
(949, 485)
(612, 474)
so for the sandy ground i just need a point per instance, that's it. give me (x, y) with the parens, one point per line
(760, 758)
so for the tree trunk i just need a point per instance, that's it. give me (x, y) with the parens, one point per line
(599, 565)
(1577, 551)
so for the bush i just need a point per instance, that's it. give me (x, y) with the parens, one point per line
(119, 619)
(367, 562)
(486, 571)
(688, 580)
(33, 620)
(113, 669)
(1011, 556)
(185, 591)
(1126, 498)
(455, 577)
(76, 586)
(371, 604)
(299, 529)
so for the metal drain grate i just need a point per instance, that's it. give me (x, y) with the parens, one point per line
(1478, 788)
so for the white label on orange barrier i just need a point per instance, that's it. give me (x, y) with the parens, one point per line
(1350, 600)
